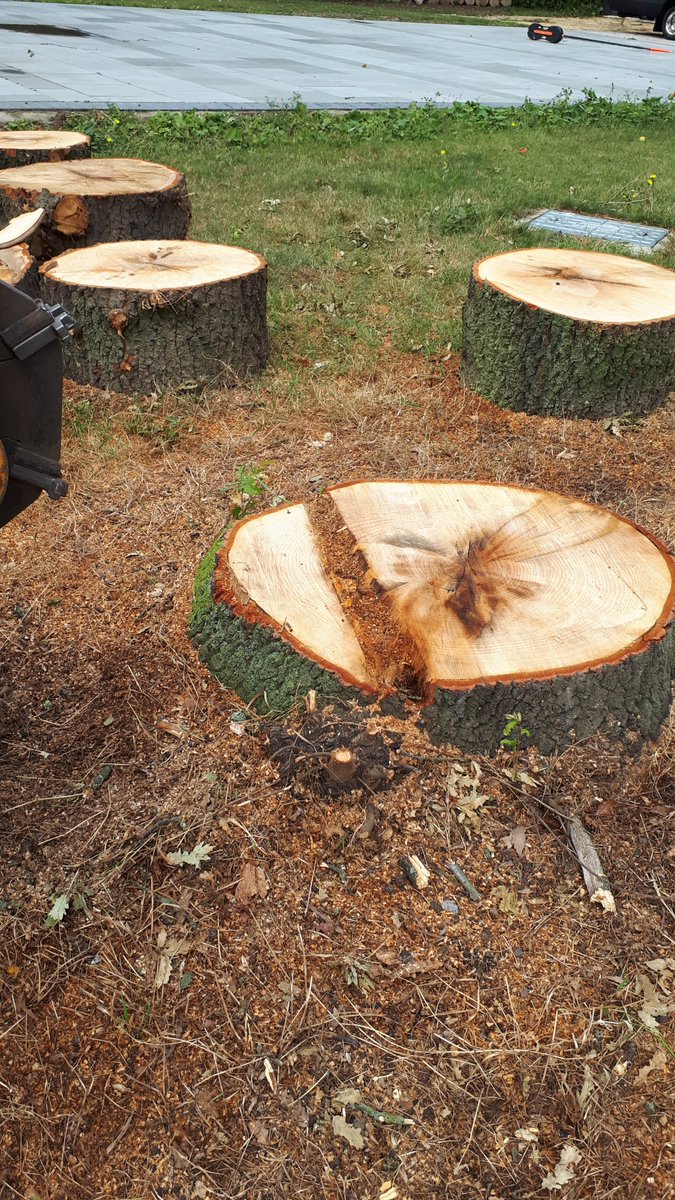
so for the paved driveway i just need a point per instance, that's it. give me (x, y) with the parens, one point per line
(71, 57)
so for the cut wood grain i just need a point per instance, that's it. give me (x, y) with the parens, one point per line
(98, 200)
(156, 314)
(20, 228)
(570, 332)
(18, 267)
(22, 147)
(498, 599)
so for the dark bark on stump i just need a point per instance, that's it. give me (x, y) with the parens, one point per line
(24, 157)
(538, 362)
(630, 697)
(82, 220)
(139, 341)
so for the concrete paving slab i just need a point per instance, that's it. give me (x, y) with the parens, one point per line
(148, 58)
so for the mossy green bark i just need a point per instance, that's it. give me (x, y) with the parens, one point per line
(252, 660)
(630, 697)
(537, 362)
(138, 341)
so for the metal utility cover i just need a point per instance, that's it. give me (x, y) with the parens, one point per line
(643, 237)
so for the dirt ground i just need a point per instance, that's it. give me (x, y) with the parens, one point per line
(287, 1015)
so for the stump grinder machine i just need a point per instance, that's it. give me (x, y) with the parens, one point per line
(31, 379)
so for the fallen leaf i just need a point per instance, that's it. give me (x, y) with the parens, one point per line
(58, 911)
(508, 901)
(269, 1075)
(163, 972)
(653, 1004)
(342, 1128)
(260, 1132)
(345, 1096)
(563, 1172)
(528, 1133)
(252, 883)
(515, 840)
(193, 858)
(657, 1062)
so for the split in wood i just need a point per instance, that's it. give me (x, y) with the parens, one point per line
(499, 599)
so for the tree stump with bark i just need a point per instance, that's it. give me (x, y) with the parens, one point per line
(570, 333)
(97, 200)
(473, 601)
(157, 314)
(18, 267)
(22, 147)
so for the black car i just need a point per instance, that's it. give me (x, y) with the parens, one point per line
(661, 12)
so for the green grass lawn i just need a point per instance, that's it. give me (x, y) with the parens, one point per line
(370, 222)
(364, 10)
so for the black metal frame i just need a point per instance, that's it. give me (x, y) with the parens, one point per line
(31, 379)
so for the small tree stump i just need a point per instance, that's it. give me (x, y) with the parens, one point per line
(161, 314)
(18, 267)
(97, 200)
(570, 333)
(485, 600)
(22, 147)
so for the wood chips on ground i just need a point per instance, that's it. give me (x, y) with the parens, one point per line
(246, 994)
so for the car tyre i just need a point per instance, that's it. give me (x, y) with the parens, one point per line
(666, 24)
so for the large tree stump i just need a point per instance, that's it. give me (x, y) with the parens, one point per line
(97, 200)
(21, 147)
(570, 333)
(479, 599)
(18, 267)
(152, 315)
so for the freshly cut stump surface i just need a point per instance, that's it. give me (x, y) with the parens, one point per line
(22, 147)
(156, 314)
(97, 200)
(473, 600)
(20, 228)
(18, 267)
(570, 333)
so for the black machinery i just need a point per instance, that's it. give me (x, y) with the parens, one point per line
(31, 379)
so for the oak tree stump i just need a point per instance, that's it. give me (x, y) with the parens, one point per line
(21, 147)
(570, 333)
(18, 267)
(479, 599)
(97, 200)
(156, 314)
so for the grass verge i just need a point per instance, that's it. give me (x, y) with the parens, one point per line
(354, 10)
(370, 221)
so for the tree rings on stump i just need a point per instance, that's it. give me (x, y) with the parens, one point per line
(161, 314)
(570, 333)
(473, 600)
(18, 267)
(21, 147)
(98, 200)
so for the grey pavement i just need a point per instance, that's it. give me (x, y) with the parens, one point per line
(80, 57)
